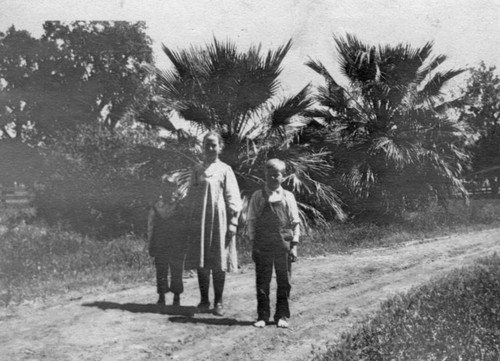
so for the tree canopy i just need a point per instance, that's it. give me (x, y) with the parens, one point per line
(394, 145)
(76, 73)
(480, 108)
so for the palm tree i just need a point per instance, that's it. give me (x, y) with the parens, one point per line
(388, 128)
(218, 87)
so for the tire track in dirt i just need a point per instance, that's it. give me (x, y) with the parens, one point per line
(329, 295)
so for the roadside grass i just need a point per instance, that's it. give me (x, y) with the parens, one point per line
(433, 222)
(453, 318)
(38, 262)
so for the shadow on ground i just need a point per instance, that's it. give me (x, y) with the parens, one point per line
(211, 321)
(144, 308)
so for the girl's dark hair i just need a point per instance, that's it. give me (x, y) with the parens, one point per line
(214, 134)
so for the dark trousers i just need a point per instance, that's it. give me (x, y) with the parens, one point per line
(162, 270)
(218, 278)
(264, 263)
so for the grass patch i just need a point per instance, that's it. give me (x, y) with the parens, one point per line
(456, 317)
(37, 262)
(435, 221)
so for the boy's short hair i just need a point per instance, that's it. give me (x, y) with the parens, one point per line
(277, 164)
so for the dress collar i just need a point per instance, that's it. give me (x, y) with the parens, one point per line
(211, 168)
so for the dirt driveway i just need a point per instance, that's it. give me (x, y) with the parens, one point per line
(329, 295)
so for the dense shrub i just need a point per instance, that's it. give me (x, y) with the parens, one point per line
(101, 182)
(453, 318)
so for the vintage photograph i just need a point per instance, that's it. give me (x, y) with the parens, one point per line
(249, 180)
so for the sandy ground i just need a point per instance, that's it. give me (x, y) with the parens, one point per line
(329, 295)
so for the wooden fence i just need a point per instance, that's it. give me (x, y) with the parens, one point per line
(483, 190)
(17, 196)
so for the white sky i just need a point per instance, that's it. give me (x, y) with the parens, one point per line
(467, 31)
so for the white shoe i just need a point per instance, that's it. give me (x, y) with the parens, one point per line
(260, 324)
(282, 323)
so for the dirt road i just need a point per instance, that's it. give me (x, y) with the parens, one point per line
(329, 295)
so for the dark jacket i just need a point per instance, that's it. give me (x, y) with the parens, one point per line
(166, 231)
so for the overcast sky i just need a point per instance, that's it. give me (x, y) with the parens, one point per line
(467, 31)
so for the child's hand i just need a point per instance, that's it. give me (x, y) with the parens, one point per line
(293, 254)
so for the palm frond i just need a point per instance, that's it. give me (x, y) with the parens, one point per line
(197, 113)
(275, 58)
(166, 82)
(308, 212)
(181, 178)
(319, 68)
(398, 64)
(401, 152)
(290, 112)
(428, 68)
(425, 51)
(433, 88)
(305, 170)
(450, 104)
(337, 99)
(357, 60)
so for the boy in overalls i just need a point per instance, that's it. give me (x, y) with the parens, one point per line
(274, 230)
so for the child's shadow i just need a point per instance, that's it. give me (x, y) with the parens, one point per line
(211, 321)
(144, 308)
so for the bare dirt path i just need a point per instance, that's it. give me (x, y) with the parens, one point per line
(329, 295)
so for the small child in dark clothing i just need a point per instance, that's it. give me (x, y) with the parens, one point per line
(167, 246)
(274, 230)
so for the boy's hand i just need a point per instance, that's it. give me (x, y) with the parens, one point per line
(293, 254)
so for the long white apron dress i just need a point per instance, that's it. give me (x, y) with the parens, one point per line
(215, 202)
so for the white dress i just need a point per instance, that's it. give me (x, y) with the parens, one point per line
(214, 201)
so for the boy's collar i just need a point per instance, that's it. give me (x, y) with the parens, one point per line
(269, 192)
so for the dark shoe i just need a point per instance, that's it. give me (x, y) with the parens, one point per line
(161, 299)
(177, 300)
(203, 307)
(219, 309)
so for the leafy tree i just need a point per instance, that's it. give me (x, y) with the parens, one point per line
(103, 57)
(20, 58)
(394, 146)
(480, 108)
(77, 73)
(234, 92)
(61, 90)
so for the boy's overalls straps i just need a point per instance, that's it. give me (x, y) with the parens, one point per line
(268, 238)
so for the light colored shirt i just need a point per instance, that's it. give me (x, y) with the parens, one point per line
(288, 214)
